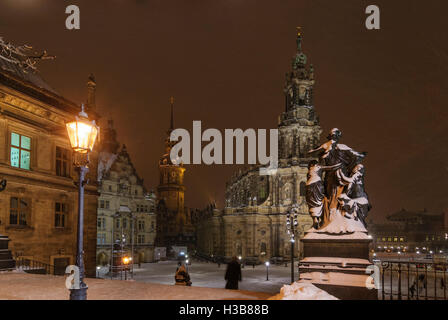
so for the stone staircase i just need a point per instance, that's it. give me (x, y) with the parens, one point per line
(6, 260)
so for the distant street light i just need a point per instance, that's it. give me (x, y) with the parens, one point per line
(82, 134)
(126, 261)
(291, 227)
(267, 270)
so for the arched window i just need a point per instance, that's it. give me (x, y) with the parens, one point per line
(263, 248)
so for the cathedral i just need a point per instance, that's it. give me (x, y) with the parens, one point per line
(174, 227)
(253, 223)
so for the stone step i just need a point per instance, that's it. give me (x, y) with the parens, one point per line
(3, 243)
(331, 268)
(7, 264)
(5, 255)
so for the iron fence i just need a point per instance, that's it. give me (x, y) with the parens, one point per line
(32, 266)
(413, 280)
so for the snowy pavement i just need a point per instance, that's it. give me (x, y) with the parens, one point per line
(23, 286)
(208, 275)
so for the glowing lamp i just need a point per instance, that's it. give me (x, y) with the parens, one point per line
(126, 260)
(82, 133)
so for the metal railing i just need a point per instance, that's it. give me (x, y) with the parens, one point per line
(32, 266)
(413, 280)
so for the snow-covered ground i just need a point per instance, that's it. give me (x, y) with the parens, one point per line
(209, 275)
(24, 286)
(302, 291)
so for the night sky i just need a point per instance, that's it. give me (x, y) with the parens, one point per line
(224, 61)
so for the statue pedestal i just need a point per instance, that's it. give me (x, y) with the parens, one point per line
(6, 260)
(338, 264)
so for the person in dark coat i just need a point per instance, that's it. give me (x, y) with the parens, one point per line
(233, 274)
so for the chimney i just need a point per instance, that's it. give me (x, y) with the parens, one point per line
(91, 88)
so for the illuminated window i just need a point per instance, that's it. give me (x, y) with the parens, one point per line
(401, 239)
(101, 239)
(383, 239)
(389, 239)
(18, 212)
(62, 162)
(395, 239)
(20, 151)
(60, 215)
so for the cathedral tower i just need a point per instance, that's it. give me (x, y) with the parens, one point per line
(299, 129)
(171, 187)
(173, 219)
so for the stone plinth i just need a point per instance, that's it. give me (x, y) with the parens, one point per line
(6, 260)
(338, 264)
(337, 247)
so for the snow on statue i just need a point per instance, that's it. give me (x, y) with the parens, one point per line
(338, 203)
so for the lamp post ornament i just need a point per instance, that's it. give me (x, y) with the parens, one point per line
(82, 134)
(291, 228)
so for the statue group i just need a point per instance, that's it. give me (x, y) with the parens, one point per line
(335, 192)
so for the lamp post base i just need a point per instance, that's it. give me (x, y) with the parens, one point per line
(79, 294)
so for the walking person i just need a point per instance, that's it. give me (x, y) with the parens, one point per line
(182, 278)
(413, 288)
(422, 282)
(233, 274)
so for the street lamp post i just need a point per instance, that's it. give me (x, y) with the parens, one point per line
(82, 134)
(291, 227)
(267, 270)
(132, 243)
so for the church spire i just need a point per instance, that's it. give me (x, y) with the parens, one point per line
(299, 82)
(91, 89)
(299, 39)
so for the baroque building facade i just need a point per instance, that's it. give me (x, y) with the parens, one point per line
(126, 210)
(174, 225)
(411, 231)
(253, 223)
(38, 208)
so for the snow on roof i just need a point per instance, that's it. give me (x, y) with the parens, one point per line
(29, 76)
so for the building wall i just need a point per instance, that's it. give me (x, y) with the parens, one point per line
(40, 239)
(120, 187)
(410, 231)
